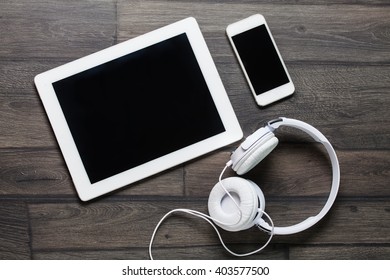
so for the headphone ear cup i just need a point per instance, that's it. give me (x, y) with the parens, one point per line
(248, 197)
(255, 155)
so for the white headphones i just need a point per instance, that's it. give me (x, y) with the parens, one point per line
(237, 204)
(248, 195)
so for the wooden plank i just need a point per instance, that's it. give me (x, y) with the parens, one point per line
(33, 172)
(55, 29)
(349, 222)
(283, 173)
(42, 172)
(348, 104)
(14, 233)
(24, 122)
(298, 170)
(70, 226)
(106, 225)
(300, 2)
(302, 32)
(273, 252)
(18, 76)
(345, 252)
(353, 98)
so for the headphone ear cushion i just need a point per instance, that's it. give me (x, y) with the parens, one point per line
(247, 195)
(256, 154)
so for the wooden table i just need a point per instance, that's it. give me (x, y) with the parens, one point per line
(338, 55)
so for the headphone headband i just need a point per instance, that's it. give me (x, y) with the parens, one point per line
(318, 137)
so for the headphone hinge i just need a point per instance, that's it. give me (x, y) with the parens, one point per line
(275, 121)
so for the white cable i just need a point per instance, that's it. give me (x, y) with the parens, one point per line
(209, 219)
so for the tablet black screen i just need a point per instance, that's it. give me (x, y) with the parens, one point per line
(138, 107)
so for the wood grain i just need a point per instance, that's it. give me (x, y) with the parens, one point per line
(14, 233)
(346, 252)
(273, 252)
(276, 177)
(302, 32)
(25, 172)
(72, 227)
(338, 56)
(55, 29)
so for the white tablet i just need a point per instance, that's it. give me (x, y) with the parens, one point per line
(137, 108)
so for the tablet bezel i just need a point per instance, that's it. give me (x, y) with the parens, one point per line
(86, 190)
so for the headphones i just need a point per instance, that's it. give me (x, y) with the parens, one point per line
(237, 204)
(249, 196)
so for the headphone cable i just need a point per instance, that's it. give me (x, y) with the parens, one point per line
(209, 219)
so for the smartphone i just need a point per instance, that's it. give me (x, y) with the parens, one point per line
(260, 59)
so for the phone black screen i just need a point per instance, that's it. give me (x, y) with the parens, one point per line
(260, 59)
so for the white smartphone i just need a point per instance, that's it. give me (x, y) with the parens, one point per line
(260, 59)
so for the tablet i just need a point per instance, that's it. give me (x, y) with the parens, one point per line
(137, 108)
